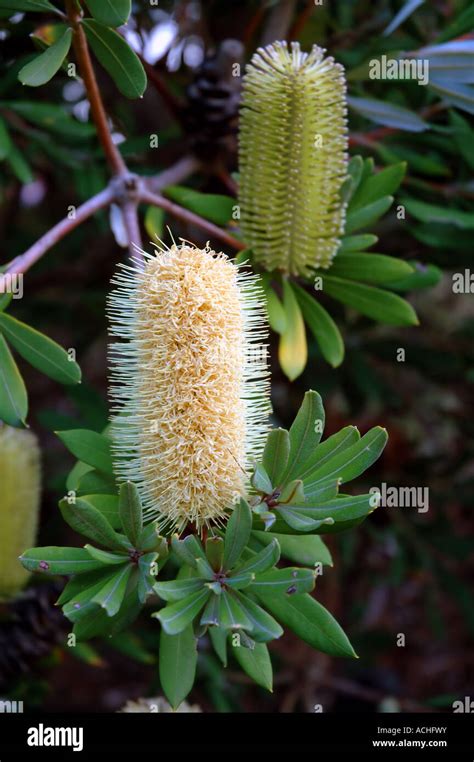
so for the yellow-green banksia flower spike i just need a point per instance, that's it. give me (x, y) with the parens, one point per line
(292, 158)
(20, 491)
(189, 383)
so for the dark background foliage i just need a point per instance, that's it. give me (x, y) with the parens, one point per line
(401, 571)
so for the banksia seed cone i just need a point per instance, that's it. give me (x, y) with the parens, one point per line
(20, 486)
(190, 384)
(293, 157)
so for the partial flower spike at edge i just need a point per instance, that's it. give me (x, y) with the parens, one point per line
(293, 158)
(189, 382)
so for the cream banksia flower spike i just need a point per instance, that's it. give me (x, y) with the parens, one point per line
(20, 488)
(293, 158)
(190, 383)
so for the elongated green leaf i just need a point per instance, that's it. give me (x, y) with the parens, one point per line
(276, 453)
(237, 534)
(275, 311)
(112, 594)
(6, 144)
(260, 480)
(13, 395)
(210, 615)
(146, 579)
(105, 557)
(54, 560)
(81, 582)
(441, 214)
(96, 483)
(110, 12)
(256, 663)
(240, 580)
(40, 351)
(154, 222)
(409, 7)
(322, 326)
(81, 604)
(260, 562)
(188, 550)
(289, 581)
(457, 94)
(305, 433)
(311, 622)
(357, 242)
(383, 183)
(423, 276)
(264, 626)
(328, 449)
(131, 514)
(367, 215)
(215, 552)
(292, 348)
(388, 114)
(87, 520)
(178, 659)
(218, 638)
(375, 303)
(176, 617)
(90, 447)
(343, 509)
(52, 118)
(371, 268)
(117, 58)
(299, 521)
(107, 505)
(211, 206)
(231, 614)
(300, 550)
(44, 67)
(353, 461)
(29, 5)
(5, 300)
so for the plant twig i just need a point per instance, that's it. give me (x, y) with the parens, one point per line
(175, 174)
(24, 261)
(112, 154)
(132, 226)
(279, 22)
(181, 213)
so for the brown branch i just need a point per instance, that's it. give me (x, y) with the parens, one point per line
(23, 262)
(131, 224)
(302, 20)
(279, 22)
(86, 70)
(184, 214)
(175, 174)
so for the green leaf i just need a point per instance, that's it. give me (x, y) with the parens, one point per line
(6, 144)
(105, 557)
(311, 622)
(178, 659)
(375, 303)
(150, 540)
(237, 534)
(117, 58)
(5, 300)
(388, 114)
(19, 166)
(44, 67)
(423, 276)
(146, 579)
(188, 550)
(344, 508)
(300, 550)
(108, 507)
(13, 395)
(90, 447)
(357, 242)
(293, 492)
(210, 615)
(353, 461)
(354, 175)
(95, 482)
(176, 617)
(81, 582)
(440, 214)
(383, 183)
(276, 454)
(372, 268)
(215, 552)
(322, 326)
(218, 638)
(292, 348)
(367, 215)
(178, 589)
(154, 221)
(328, 449)
(463, 135)
(276, 313)
(110, 12)
(54, 560)
(264, 626)
(40, 351)
(461, 22)
(211, 206)
(260, 480)
(231, 614)
(112, 594)
(29, 5)
(240, 580)
(305, 433)
(409, 7)
(256, 663)
(289, 581)
(300, 521)
(260, 562)
(130, 509)
(88, 521)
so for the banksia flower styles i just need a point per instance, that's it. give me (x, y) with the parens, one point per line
(20, 484)
(190, 382)
(293, 160)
